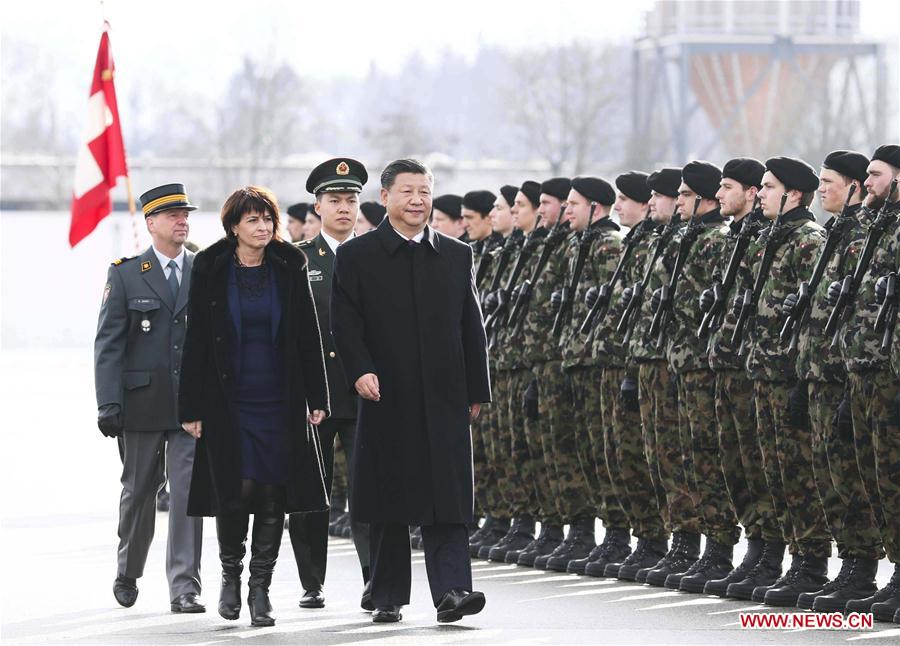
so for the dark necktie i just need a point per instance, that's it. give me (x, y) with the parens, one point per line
(173, 278)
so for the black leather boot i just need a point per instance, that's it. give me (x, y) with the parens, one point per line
(544, 545)
(888, 602)
(764, 573)
(673, 581)
(579, 547)
(540, 562)
(520, 534)
(231, 532)
(719, 587)
(476, 538)
(714, 564)
(858, 583)
(643, 573)
(494, 536)
(890, 590)
(512, 556)
(679, 561)
(268, 526)
(614, 539)
(805, 600)
(645, 555)
(812, 576)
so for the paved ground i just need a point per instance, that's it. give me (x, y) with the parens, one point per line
(58, 529)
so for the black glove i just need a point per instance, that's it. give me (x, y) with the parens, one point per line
(627, 295)
(790, 302)
(514, 294)
(707, 298)
(629, 392)
(798, 405)
(109, 420)
(530, 401)
(556, 301)
(833, 294)
(591, 296)
(737, 304)
(491, 301)
(843, 420)
(881, 289)
(656, 299)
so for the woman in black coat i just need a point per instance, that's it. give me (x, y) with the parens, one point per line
(252, 370)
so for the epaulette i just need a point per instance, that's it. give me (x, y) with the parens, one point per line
(116, 263)
(304, 243)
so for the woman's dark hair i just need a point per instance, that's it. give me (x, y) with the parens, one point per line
(390, 172)
(248, 200)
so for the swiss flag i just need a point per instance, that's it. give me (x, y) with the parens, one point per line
(101, 156)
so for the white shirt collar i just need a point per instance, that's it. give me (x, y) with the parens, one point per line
(332, 242)
(164, 259)
(416, 238)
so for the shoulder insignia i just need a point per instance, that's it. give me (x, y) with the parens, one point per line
(118, 262)
(146, 266)
(304, 243)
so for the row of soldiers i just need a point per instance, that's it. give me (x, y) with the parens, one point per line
(714, 361)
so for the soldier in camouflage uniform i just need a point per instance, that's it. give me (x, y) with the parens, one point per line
(844, 499)
(781, 398)
(600, 242)
(701, 244)
(874, 387)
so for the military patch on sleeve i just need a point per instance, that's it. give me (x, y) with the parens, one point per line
(106, 291)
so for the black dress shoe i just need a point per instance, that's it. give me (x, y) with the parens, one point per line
(366, 602)
(458, 603)
(387, 615)
(312, 599)
(125, 590)
(187, 603)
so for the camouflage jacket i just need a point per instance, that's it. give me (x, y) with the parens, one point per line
(683, 349)
(535, 329)
(860, 343)
(768, 359)
(606, 246)
(816, 361)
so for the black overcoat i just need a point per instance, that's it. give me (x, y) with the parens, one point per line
(206, 381)
(409, 314)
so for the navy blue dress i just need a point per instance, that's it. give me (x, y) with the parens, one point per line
(259, 388)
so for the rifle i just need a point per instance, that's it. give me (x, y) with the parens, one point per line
(664, 313)
(750, 300)
(484, 262)
(601, 307)
(510, 245)
(887, 314)
(498, 317)
(851, 283)
(713, 319)
(557, 233)
(637, 294)
(799, 316)
(568, 291)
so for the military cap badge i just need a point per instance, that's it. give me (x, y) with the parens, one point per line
(342, 169)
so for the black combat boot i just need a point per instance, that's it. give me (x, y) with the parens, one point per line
(674, 548)
(764, 573)
(673, 581)
(678, 560)
(805, 600)
(892, 589)
(268, 527)
(512, 556)
(647, 553)
(719, 587)
(540, 562)
(812, 576)
(476, 538)
(759, 593)
(888, 602)
(858, 583)
(542, 546)
(494, 536)
(617, 539)
(715, 564)
(579, 547)
(231, 532)
(520, 534)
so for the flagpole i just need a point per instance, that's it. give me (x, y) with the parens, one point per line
(133, 211)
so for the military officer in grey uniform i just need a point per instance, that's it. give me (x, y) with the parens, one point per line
(336, 184)
(137, 358)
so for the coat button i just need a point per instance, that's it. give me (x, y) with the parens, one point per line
(331, 354)
(224, 376)
(175, 371)
(175, 321)
(218, 339)
(213, 303)
(174, 347)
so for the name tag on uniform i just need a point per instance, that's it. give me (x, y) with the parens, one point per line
(315, 275)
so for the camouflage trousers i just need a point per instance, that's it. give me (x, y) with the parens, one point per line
(658, 392)
(339, 473)
(741, 459)
(573, 500)
(844, 499)
(512, 461)
(876, 435)
(589, 424)
(626, 458)
(703, 460)
(536, 432)
(487, 484)
(786, 445)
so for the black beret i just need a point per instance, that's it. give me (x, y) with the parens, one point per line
(341, 174)
(746, 170)
(848, 163)
(532, 190)
(888, 153)
(373, 212)
(634, 185)
(558, 187)
(665, 181)
(298, 211)
(702, 177)
(509, 193)
(449, 204)
(595, 189)
(481, 201)
(795, 174)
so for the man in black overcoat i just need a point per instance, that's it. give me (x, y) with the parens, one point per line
(406, 321)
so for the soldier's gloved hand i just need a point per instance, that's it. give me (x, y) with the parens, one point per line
(591, 296)
(491, 301)
(629, 392)
(798, 405)
(833, 294)
(881, 289)
(555, 301)
(790, 302)
(514, 294)
(530, 401)
(707, 298)
(109, 420)
(627, 295)
(737, 304)
(656, 299)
